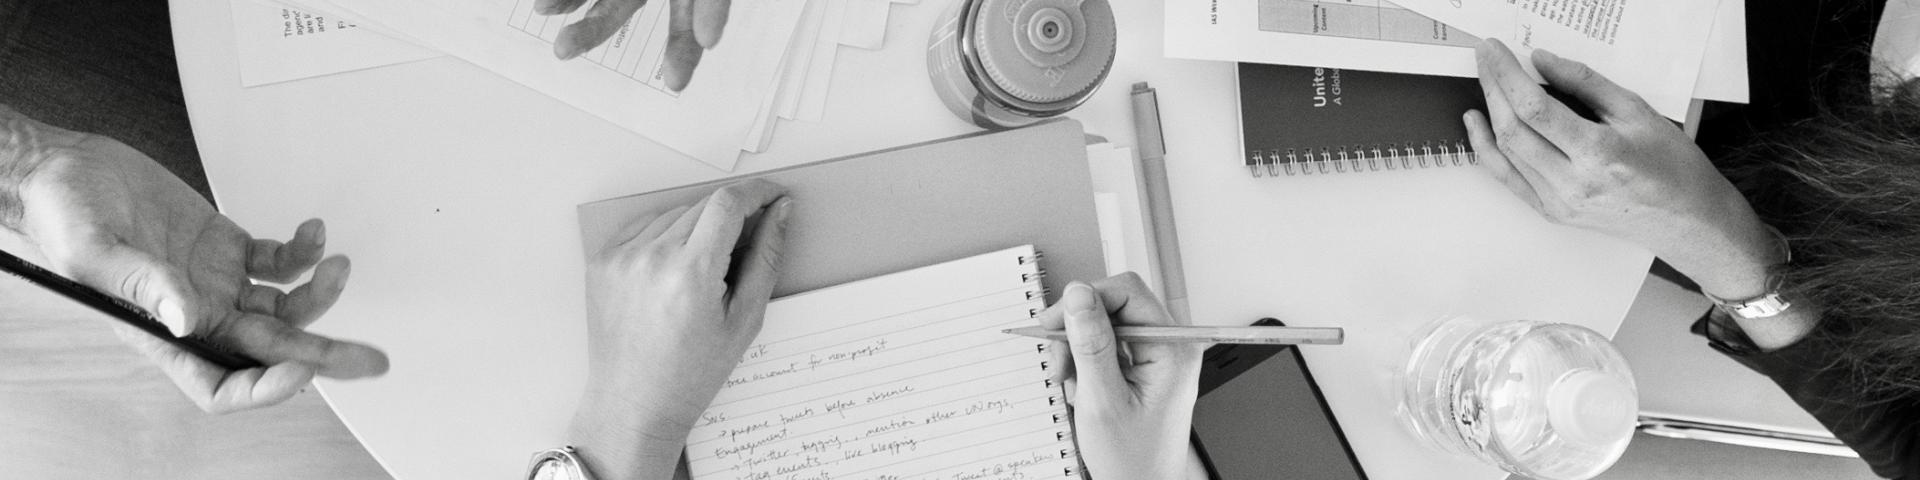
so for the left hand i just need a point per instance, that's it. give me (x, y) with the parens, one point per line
(693, 26)
(1629, 173)
(672, 304)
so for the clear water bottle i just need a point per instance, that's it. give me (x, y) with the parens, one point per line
(1542, 400)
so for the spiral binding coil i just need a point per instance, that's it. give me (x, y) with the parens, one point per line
(1038, 292)
(1357, 158)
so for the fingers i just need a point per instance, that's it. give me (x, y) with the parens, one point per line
(306, 304)
(217, 390)
(1609, 100)
(709, 20)
(1130, 301)
(273, 342)
(593, 29)
(1480, 135)
(1526, 150)
(1090, 339)
(660, 224)
(144, 279)
(1126, 297)
(556, 7)
(683, 49)
(759, 265)
(725, 214)
(1524, 100)
(275, 262)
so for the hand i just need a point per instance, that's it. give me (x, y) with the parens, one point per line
(672, 304)
(693, 25)
(1132, 404)
(1629, 174)
(107, 216)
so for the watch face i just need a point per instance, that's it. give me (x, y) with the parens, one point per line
(552, 469)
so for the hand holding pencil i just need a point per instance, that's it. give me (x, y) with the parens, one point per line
(1132, 404)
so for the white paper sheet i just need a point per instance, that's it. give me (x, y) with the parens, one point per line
(619, 81)
(1655, 51)
(280, 43)
(904, 376)
(1370, 35)
(1723, 69)
(1652, 48)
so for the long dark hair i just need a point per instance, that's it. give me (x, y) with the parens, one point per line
(1844, 188)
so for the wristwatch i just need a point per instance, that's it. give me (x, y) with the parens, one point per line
(1766, 305)
(558, 464)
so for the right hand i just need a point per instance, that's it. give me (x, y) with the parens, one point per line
(1132, 405)
(672, 304)
(693, 26)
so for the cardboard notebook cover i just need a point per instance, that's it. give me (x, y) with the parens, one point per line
(893, 210)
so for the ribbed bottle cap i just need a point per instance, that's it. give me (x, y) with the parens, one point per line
(1592, 407)
(1045, 51)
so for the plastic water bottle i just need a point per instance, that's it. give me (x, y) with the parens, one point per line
(1543, 400)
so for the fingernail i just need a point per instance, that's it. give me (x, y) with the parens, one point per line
(175, 317)
(783, 207)
(1545, 53)
(1078, 302)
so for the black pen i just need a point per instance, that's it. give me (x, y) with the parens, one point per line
(123, 311)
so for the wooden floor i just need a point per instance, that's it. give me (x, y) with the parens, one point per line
(77, 404)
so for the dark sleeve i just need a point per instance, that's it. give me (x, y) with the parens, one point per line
(1885, 433)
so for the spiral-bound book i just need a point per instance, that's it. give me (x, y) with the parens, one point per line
(903, 376)
(1309, 120)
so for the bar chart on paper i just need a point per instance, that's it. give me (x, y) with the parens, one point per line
(636, 52)
(1362, 19)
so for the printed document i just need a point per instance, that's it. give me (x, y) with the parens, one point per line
(1636, 47)
(279, 43)
(621, 80)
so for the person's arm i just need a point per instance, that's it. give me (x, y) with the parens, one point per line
(672, 304)
(1132, 403)
(111, 218)
(1631, 174)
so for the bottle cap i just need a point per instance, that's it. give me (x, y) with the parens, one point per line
(1592, 407)
(1045, 51)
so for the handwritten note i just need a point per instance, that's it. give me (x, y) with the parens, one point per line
(900, 377)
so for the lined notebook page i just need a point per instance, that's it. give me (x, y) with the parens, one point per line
(904, 376)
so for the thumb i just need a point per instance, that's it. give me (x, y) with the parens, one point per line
(758, 267)
(144, 279)
(1090, 338)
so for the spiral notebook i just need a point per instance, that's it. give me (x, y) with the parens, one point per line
(903, 376)
(1309, 120)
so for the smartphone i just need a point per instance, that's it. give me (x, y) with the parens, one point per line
(1260, 416)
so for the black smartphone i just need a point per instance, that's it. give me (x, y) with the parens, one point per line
(1260, 415)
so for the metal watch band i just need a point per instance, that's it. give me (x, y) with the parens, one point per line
(1763, 306)
(564, 458)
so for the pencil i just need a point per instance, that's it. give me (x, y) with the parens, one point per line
(1243, 335)
(123, 311)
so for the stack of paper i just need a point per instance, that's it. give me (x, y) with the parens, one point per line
(1660, 50)
(775, 61)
